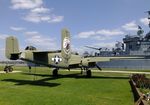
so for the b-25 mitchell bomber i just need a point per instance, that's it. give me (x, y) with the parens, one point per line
(58, 59)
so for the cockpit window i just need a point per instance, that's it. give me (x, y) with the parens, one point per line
(30, 48)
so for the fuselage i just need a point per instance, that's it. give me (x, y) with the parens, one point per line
(50, 59)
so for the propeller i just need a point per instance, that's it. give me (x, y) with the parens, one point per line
(98, 67)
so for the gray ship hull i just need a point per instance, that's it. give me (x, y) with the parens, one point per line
(126, 64)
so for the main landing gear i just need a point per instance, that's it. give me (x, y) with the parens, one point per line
(55, 72)
(86, 71)
(8, 69)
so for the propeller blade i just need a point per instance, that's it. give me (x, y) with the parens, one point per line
(98, 67)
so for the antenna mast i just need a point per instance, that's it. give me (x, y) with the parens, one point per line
(148, 18)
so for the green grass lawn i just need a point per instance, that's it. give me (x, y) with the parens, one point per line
(69, 89)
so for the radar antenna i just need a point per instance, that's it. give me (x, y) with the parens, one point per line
(140, 31)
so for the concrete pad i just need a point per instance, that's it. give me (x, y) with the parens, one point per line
(3, 72)
(115, 71)
(125, 72)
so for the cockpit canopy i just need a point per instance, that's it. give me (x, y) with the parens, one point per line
(30, 48)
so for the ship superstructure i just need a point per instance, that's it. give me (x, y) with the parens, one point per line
(132, 45)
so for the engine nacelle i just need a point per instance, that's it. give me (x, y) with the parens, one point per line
(87, 63)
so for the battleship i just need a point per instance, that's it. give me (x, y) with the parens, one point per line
(133, 45)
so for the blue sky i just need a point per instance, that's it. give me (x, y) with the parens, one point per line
(98, 23)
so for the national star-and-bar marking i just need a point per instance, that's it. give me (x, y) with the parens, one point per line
(56, 59)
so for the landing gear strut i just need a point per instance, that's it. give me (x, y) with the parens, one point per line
(8, 69)
(82, 70)
(86, 72)
(55, 73)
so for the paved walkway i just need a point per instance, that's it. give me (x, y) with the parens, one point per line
(127, 72)
(115, 71)
(2, 72)
(103, 71)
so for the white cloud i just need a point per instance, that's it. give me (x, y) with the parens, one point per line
(45, 18)
(36, 12)
(40, 10)
(17, 28)
(26, 4)
(31, 33)
(109, 32)
(3, 36)
(39, 17)
(56, 19)
(144, 21)
(41, 42)
(33, 17)
(100, 34)
(132, 26)
(86, 34)
(101, 37)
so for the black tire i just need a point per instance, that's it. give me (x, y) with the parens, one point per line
(81, 71)
(55, 73)
(7, 70)
(10, 69)
(88, 73)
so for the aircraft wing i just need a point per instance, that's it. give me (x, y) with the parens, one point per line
(78, 62)
(91, 62)
(102, 59)
(56, 51)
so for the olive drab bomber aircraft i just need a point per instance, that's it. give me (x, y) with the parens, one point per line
(58, 59)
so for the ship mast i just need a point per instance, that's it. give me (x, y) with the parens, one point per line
(148, 18)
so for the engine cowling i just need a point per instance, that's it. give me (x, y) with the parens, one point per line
(87, 63)
(30, 48)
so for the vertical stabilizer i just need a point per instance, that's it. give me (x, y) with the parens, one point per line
(66, 46)
(12, 48)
